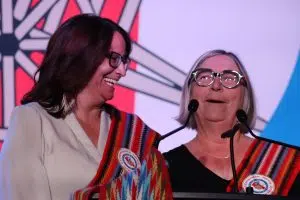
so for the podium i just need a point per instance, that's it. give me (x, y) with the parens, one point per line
(228, 196)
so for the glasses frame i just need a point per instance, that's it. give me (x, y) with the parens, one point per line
(124, 59)
(217, 74)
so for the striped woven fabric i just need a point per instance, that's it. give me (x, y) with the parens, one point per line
(126, 131)
(279, 163)
(151, 181)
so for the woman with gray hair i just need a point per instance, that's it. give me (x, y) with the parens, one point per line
(220, 83)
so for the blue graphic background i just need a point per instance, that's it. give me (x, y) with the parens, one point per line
(284, 125)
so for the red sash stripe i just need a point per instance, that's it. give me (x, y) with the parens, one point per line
(269, 158)
(280, 161)
(287, 172)
(294, 172)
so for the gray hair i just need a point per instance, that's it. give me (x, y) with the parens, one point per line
(248, 101)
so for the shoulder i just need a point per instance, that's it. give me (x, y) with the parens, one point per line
(272, 144)
(28, 111)
(24, 128)
(30, 114)
(175, 153)
(179, 159)
(32, 107)
(126, 116)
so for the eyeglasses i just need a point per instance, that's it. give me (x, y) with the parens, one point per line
(229, 79)
(115, 60)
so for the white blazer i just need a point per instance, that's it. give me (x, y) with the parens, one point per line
(46, 158)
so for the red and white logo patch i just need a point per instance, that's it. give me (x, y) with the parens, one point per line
(261, 184)
(128, 160)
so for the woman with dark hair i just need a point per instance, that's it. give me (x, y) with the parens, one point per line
(220, 83)
(65, 135)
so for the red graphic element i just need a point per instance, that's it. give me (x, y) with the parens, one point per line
(37, 57)
(23, 84)
(72, 9)
(34, 3)
(40, 24)
(23, 81)
(112, 9)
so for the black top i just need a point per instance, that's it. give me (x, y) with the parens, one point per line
(188, 174)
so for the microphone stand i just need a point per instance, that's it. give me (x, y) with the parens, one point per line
(192, 107)
(242, 117)
(235, 178)
(231, 133)
(269, 140)
(156, 143)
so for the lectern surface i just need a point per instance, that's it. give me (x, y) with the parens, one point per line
(227, 196)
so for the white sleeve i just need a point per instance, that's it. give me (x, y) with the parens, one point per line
(22, 172)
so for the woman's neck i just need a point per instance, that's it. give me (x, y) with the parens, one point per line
(212, 131)
(87, 112)
(208, 140)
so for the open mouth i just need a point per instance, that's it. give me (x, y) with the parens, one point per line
(110, 82)
(215, 101)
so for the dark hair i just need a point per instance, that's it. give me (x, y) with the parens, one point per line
(73, 54)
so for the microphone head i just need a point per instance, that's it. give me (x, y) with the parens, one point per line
(241, 116)
(193, 105)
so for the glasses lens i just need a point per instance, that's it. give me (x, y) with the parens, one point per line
(115, 59)
(230, 79)
(204, 78)
(126, 62)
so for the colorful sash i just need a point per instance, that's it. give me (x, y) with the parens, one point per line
(269, 168)
(127, 131)
(150, 181)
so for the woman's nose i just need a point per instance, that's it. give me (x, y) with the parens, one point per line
(121, 69)
(216, 85)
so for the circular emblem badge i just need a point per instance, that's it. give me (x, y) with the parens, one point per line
(128, 160)
(261, 184)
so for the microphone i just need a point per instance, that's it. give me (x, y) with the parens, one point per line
(242, 117)
(231, 133)
(192, 107)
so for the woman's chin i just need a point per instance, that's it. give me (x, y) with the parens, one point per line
(215, 117)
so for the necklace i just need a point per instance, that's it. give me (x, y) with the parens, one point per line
(219, 157)
(205, 152)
